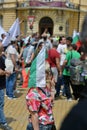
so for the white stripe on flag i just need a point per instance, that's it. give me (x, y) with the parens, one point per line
(40, 66)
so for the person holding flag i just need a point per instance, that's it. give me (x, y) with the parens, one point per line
(38, 99)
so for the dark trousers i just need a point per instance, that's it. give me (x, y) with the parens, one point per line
(59, 83)
(2, 116)
(67, 84)
(42, 127)
(10, 83)
(77, 90)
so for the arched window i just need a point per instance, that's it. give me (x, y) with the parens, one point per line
(1, 20)
(46, 22)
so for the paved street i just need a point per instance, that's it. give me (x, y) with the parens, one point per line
(17, 114)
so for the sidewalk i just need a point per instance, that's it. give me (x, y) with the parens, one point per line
(17, 113)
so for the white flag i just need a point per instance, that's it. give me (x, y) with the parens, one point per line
(12, 33)
(15, 29)
(2, 31)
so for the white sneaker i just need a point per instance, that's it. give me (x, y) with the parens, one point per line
(69, 100)
(11, 98)
(5, 95)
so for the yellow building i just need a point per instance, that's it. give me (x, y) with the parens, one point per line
(61, 17)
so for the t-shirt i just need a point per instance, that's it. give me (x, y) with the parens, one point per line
(62, 49)
(69, 56)
(29, 53)
(2, 77)
(11, 50)
(8, 62)
(48, 44)
(25, 51)
(52, 55)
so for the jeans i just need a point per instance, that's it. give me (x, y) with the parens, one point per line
(77, 89)
(2, 116)
(10, 82)
(29, 127)
(67, 84)
(59, 83)
(42, 127)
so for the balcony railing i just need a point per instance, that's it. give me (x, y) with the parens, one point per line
(47, 3)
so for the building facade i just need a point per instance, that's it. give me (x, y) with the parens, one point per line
(61, 17)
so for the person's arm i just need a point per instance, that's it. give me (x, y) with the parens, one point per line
(30, 55)
(31, 58)
(13, 59)
(21, 52)
(64, 64)
(3, 72)
(58, 66)
(68, 55)
(35, 121)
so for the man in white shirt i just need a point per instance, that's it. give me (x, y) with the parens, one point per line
(62, 49)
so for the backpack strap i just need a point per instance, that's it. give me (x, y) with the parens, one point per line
(71, 55)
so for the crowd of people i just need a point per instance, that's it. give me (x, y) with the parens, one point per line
(23, 51)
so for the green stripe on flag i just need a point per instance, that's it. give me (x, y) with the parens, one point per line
(26, 70)
(75, 39)
(46, 55)
(32, 77)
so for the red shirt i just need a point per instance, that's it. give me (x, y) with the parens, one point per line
(52, 55)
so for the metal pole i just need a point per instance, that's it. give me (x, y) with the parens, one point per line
(79, 15)
(16, 8)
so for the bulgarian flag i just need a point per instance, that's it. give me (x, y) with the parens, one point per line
(37, 70)
(75, 37)
(25, 74)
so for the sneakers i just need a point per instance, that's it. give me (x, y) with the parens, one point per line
(5, 95)
(11, 98)
(69, 100)
(5, 127)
